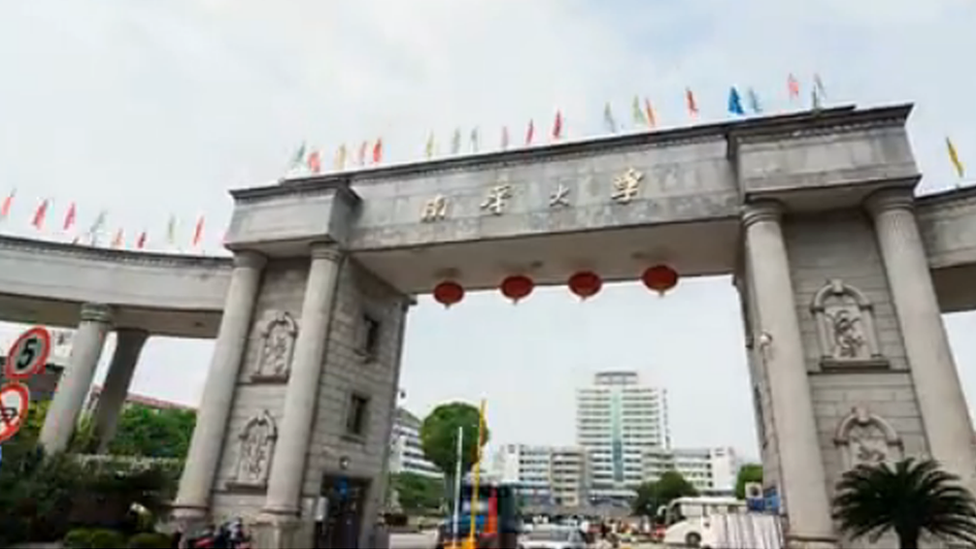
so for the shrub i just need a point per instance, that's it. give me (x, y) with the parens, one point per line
(150, 540)
(107, 539)
(79, 538)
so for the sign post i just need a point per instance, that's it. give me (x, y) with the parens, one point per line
(14, 401)
(28, 355)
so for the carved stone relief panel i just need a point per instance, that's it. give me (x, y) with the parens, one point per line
(864, 438)
(277, 346)
(845, 327)
(256, 443)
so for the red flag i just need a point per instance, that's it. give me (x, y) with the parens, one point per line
(793, 86)
(141, 241)
(117, 241)
(361, 159)
(38, 221)
(69, 218)
(504, 138)
(557, 126)
(530, 133)
(7, 202)
(692, 105)
(315, 162)
(378, 151)
(198, 231)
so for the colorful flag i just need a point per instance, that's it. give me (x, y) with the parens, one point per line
(474, 139)
(7, 202)
(954, 158)
(69, 218)
(530, 133)
(735, 102)
(117, 241)
(557, 126)
(456, 141)
(639, 118)
(504, 138)
(651, 119)
(141, 241)
(339, 162)
(819, 86)
(608, 120)
(198, 232)
(315, 162)
(171, 230)
(429, 148)
(793, 87)
(692, 105)
(38, 221)
(754, 103)
(361, 157)
(299, 157)
(97, 225)
(378, 151)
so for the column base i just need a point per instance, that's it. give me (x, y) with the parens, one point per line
(810, 542)
(271, 531)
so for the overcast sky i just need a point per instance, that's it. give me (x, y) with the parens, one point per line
(147, 109)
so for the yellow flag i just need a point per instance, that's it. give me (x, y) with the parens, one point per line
(638, 113)
(954, 158)
(429, 149)
(339, 162)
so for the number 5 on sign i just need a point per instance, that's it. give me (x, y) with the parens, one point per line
(28, 355)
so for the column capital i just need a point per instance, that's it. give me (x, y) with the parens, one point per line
(895, 198)
(95, 312)
(325, 250)
(762, 210)
(249, 259)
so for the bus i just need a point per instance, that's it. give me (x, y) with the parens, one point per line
(497, 518)
(719, 522)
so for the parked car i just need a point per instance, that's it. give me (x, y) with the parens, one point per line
(553, 537)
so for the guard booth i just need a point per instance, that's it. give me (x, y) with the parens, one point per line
(496, 518)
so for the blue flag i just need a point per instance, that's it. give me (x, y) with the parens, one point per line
(735, 102)
(754, 102)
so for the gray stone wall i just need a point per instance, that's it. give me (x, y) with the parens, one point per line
(843, 246)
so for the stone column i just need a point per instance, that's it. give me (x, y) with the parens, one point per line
(941, 401)
(802, 477)
(76, 381)
(128, 345)
(295, 433)
(203, 458)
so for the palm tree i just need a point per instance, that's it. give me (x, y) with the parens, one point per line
(910, 498)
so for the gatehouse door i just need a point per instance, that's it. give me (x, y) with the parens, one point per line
(341, 512)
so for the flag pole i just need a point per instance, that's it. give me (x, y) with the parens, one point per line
(475, 495)
(457, 486)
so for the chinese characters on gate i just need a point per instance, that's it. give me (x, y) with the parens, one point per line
(623, 190)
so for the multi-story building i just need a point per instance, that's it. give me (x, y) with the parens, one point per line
(617, 420)
(406, 454)
(712, 471)
(543, 475)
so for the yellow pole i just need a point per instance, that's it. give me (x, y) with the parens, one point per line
(477, 473)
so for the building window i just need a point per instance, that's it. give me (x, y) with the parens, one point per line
(356, 416)
(369, 339)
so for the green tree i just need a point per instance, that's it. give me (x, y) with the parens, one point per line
(417, 494)
(750, 472)
(148, 432)
(439, 434)
(911, 498)
(652, 495)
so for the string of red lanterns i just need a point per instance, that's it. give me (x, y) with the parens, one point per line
(584, 284)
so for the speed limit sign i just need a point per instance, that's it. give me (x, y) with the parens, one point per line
(28, 355)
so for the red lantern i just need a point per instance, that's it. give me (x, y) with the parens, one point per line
(517, 287)
(660, 278)
(448, 293)
(585, 284)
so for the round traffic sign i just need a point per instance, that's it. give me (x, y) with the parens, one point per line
(14, 401)
(28, 355)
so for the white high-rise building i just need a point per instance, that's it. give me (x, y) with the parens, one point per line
(712, 471)
(617, 420)
(406, 455)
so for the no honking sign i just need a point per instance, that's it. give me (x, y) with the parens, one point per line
(14, 400)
